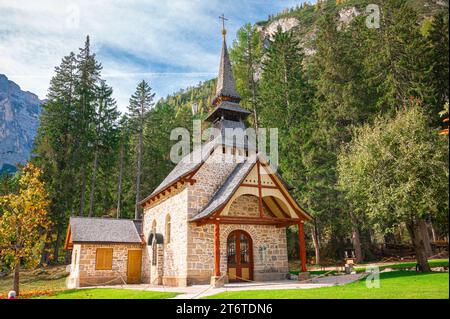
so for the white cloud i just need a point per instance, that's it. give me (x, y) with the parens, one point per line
(170, 43)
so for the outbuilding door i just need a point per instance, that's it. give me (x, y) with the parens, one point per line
(134, 266)
(239, 256)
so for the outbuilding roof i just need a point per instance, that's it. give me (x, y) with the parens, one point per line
(104, 230)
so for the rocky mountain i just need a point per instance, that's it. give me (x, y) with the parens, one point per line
(19, 120)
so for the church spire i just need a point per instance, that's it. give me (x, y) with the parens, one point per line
(226, 87)
(226, 101)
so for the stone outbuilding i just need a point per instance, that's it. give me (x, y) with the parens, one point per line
(104, 251)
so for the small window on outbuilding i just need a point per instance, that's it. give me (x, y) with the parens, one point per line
(103, 259)
(168, 225)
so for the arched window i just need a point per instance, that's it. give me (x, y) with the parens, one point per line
(168, 225)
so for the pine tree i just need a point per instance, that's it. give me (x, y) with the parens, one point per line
(55, 149)
(106, 132)
(398, 64)
(246, 54)
(438, 41)
(88, 76)
(140, 103)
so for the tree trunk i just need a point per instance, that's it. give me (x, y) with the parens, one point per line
(315, 243)
(425, 237)
(94, 173)
(57, 244)
(83, 189)
(357, 244)
(16, 279)
(419, 247)
(119, 188)
(46, 249)
(356, 241)
(138, 177)
(433, 232)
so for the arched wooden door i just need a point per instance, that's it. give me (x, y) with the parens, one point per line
(239, 256)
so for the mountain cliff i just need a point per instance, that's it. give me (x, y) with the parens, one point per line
(19, 120)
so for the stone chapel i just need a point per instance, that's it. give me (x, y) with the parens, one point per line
(219, 216)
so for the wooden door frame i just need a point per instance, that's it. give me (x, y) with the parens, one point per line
(237, 233)
(128, 265)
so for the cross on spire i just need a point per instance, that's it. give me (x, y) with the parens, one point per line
(224, 31)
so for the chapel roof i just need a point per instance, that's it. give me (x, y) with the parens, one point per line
(227, 189)
(225, 81)
(104, 230)
(187, 165)
(232, 183)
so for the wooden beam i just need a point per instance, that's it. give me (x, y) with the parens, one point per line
(260, 205)
(68, 240)
(280, 208)
(256, 185)
(301, 237)
(216, 250)
(286, 196)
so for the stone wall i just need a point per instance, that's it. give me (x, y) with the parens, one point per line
(270, 258)
(246, 206)
(83, 263)
(172, 261)
(189, 257)
(209, 178)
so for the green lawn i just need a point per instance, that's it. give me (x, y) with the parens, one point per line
(393, 285)
(109, 293)
(399, 266)
(37, 280)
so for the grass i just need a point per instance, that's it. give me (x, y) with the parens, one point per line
(393, 285)
(36, 281)
(398, 266)
(109, 293)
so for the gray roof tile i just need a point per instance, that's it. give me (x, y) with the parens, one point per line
(228, 188)
(107, 230)
(225, 81)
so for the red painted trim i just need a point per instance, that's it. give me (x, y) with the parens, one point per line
(280, 208)
(68, 242)
(287, 196)
(260, 205)
(217, 250)
(301, 237)
(237, 234)
(256, 185)
(186, 177)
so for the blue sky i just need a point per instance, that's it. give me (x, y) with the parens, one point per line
(171, 44)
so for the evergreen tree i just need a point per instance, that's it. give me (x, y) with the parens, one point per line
(105, 135)
(246, 54)
(140, 103)
(398, 64)
(438, 41)
(343, 98)
(55, 147)
(88, 76)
